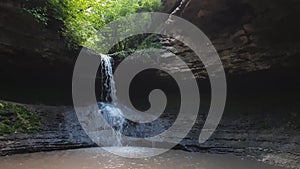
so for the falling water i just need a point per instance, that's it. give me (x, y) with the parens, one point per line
(108, 93)
(112, 114)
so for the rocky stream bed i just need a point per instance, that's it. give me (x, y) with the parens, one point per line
(249, 135)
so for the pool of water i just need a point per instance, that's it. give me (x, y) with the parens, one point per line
(97, 158)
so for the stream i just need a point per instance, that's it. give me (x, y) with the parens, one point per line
(92, 158)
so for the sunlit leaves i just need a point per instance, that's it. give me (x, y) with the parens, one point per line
(82, 18)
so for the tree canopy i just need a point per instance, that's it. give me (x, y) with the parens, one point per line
(82, 18)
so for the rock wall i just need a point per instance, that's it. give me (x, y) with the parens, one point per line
(249, 35)
(244, 132)
(59, 130)
(259, 50)
(35, 61)
(258, 43)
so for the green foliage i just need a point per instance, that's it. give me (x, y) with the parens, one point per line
(148, 42)
(82, 18)
(136, 42)
(122, 54)
(17, 118)
(39, 13)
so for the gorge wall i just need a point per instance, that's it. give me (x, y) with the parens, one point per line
(258, 43)
(35, 61)
(249, 35)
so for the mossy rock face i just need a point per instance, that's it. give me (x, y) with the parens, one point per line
(17, 119)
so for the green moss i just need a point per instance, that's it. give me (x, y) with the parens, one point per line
(17, 119)
(39, 13)
(136, 43)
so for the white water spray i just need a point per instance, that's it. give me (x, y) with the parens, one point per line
(112, 114)
(108, 93)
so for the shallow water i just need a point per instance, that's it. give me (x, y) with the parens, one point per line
(97, 158)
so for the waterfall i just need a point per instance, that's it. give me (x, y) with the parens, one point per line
(112, 114)
(115, 113)
(108, 92)
(178, 9)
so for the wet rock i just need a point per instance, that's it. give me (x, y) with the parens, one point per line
(238, 34)
(249, 28)
(167, 57)
(60, 130)
(170, 49)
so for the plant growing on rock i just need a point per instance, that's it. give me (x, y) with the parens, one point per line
(17, 119)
